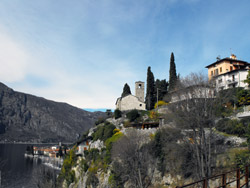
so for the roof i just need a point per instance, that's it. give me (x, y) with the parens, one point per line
(139, 82)
(227, 59)
(120, 98)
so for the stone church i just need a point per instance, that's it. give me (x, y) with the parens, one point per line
(130, 102)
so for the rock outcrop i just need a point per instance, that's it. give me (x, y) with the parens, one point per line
(27, 118)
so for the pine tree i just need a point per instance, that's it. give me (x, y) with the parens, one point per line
(172, 73)
(150, 94)
(126, 90)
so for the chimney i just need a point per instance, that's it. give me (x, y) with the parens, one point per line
(233, 56)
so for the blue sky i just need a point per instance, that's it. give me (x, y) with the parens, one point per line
(83, 52)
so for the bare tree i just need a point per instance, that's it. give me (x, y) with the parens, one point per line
(132, 160)
(193, 108)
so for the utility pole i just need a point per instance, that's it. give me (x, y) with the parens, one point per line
(157, 98)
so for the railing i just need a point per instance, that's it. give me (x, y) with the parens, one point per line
(242, 180)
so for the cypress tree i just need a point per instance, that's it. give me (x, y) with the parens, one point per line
(172, 73)
(150, 94)
(126, 90)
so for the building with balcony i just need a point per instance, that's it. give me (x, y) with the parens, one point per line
(228, 73)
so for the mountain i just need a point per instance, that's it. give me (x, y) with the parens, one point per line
(27, 118)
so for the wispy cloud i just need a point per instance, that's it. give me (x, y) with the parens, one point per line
(14, 59)
(83, 52)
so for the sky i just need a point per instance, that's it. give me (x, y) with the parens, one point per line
(82, 52)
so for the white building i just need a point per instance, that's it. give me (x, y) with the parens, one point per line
(228, 73)
(84, 145)
(131, 102)
(192, 92)
(231, 79)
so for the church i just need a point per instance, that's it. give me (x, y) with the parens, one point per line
(130, 102)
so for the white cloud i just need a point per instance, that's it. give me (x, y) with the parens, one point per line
(13, 59)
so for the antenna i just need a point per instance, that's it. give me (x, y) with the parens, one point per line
(218, 57)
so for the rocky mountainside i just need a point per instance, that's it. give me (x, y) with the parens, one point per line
(27, 118)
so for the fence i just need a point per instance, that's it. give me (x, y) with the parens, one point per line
(241, 180)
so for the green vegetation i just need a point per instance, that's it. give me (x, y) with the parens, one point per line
(83, 165)
(150, 94)
(117, 113)
(99, 159)
(242, 158)
(109, 142)
(126, 90)
(243, 97)
(67, 173)
(234, 126)
(133, 115)
(100, 121)
(153, 115)
(247, 81)
(92, 180)
(172, 73)
(162, 86)
(160, 103)
(103, 132)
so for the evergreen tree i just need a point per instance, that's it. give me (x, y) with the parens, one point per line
(172, 73)
(150, 94)
(162, 86)
(126, 90)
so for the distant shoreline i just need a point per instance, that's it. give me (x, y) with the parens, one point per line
(33, 143)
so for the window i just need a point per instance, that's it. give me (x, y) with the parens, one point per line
(212, 73)
(140, 104)
(233, 77)
(139, 85)
(231, 68)
(220, 81)
(216, 72)
(220, 69)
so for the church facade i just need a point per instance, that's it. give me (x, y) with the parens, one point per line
(130, 102)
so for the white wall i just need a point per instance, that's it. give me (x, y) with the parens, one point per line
(130, 102)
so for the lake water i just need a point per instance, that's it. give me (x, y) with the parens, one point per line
(18, 171)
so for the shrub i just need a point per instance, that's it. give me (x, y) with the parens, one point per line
(242, 158)
(116, 130)
(160, 103)
(84, 165)
(115, 181)
(109, 143)
(126, 124)
(108, 131)
(232, 126)
(100, 121)
(133, 115)
(92, 154)
(66, 172)
(153, 115)
(118, 113)
(103, 132)
(92, 180)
